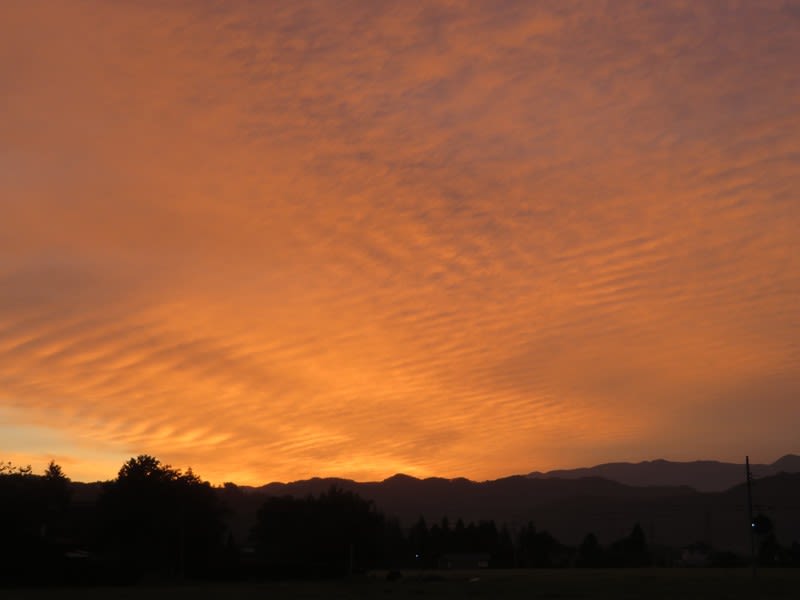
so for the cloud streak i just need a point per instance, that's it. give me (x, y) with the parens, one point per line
(280, 240)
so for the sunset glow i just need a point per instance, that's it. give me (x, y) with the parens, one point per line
(274, 240)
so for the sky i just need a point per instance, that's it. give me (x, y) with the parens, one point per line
(276, 240)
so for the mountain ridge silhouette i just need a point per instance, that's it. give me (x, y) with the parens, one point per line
(702, 475)
(571, 508)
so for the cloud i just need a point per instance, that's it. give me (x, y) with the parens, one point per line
(281, 240)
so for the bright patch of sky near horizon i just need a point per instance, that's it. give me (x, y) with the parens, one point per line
(273, 240)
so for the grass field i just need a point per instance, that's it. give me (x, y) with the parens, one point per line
(617, 584)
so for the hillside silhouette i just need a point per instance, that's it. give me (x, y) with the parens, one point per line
(569, 508)
(702, 475)
(513, 498)
(153, 520)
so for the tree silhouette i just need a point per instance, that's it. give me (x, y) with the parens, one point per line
(320, 536)
(57, 487)
(9, 468)
(54, 472)
(419, 540)
(590, 553)
(770, 552)
(630, 551)
(156, 518)
(538, 548)
(35, 507)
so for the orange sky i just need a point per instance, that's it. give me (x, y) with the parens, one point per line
(273, 240)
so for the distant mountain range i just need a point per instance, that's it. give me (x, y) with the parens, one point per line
(675, 503)
(702, 475)
(510, 499)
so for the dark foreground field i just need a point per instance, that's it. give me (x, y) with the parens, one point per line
(562, 584)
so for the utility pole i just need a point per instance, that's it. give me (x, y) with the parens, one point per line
(750, 516)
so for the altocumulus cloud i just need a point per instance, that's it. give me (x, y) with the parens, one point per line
(287, 239)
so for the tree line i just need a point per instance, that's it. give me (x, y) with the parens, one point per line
(155, 521)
